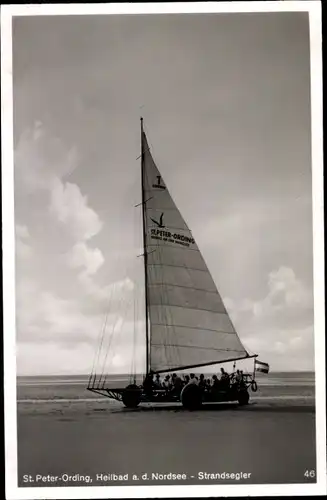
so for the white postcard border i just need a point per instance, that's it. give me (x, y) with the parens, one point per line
(12, 491)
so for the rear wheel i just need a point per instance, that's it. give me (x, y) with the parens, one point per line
(243, 397)
(131, 396)
(191, 397)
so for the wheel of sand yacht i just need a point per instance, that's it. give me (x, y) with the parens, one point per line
(254, 386)
(191, 397)
(131, 396)
(243, 397)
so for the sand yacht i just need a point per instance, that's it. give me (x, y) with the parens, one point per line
(187, 325)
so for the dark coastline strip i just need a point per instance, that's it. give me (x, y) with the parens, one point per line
(84, 400)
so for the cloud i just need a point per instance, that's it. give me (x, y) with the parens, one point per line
(61, 298)
(59, 360)
(41, 159)
(71, 208)
(85, 258)
(286, 294)
(49, 324)
(41, 163)
(281, 323)
(52, 307)
(22, 247)
(22, 231)
(285, 291)
(43, 316)
(288, 303)
(115, 296)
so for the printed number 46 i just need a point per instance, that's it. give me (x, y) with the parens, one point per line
(310, 473)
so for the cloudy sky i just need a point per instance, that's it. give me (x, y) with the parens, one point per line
(226, 103)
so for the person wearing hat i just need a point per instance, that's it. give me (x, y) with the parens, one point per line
(158, 381)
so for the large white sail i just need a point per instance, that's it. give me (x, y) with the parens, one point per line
(189, 325)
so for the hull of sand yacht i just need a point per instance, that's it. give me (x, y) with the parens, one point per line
(191, 396)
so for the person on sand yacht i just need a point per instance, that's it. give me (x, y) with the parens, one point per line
(215, 382)
(148, 384)
(157, 381)
(202, 381)
(224, 379)
(193, 379)
(177, 384)
(166, 383)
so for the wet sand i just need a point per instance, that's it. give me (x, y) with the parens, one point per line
(273, 439)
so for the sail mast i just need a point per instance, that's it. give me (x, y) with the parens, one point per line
(145, 254)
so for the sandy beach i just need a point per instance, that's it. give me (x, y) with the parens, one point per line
(272, 440)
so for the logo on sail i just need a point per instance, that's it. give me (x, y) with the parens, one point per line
(159, 185)
(160, 223)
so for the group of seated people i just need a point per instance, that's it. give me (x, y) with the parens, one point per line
(175, 383)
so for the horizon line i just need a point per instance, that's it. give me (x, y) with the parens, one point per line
(139, 373)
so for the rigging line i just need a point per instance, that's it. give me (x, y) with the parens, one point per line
(101, 373)
(112, 292)
(123, 316)
(118, 315)
(137, 225)
(133, 371)
(98, 352)
(114, 287)
(143, 202)
(132, 356)
(135, 333)
(141, 329)
(108, 349)
(104, 329)
(125, 303)
(94, 359)
(110, 335)
(120, 302)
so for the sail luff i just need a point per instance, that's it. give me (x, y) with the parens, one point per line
(145, 254)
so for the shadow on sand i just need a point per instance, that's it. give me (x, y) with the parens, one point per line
(256, 407)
